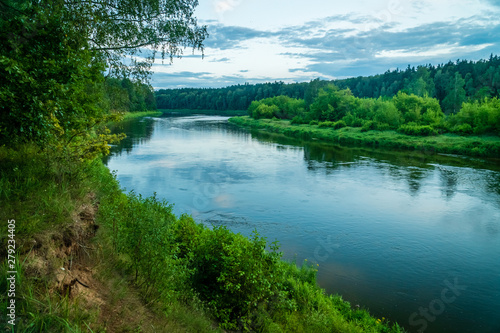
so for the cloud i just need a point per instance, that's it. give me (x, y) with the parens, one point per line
(222, 6)
(337, 46)
(220, 60)
(228, 37)
(337, 52)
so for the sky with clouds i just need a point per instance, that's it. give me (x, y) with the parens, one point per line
(258, 41)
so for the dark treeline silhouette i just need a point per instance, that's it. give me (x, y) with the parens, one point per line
(125, 95)
(451, 84)
(236, 97)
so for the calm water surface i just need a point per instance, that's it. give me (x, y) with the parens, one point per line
(415, 238)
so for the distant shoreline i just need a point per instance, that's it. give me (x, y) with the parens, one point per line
(476, 146)
(189, 112)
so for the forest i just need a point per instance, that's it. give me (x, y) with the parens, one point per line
(451, 84)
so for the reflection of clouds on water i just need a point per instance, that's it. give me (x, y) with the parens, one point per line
(224, 201)
(164, 164)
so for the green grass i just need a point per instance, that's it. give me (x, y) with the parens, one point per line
(133, 115)
(190, 112)
(44, 193)
(480, 146)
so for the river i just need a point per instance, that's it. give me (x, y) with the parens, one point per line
(412, 237)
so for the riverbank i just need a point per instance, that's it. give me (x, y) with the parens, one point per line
(479, 146)
(90, 255)
(133, 115)
(191, 112)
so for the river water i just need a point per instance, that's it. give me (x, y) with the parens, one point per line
(412, 237)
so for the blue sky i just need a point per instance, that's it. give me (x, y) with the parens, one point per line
(295, 41)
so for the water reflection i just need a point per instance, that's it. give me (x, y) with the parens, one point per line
(138, 131)
(449, 181)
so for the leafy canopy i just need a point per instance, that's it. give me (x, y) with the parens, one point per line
(131, 28)
(54, 53)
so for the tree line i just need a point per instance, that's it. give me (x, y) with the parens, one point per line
(451, 84)
(407, 113)
(236, 97)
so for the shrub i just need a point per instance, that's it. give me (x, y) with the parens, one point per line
(368, 125)
(417, 130)
(383, 126)
(326, 124)
(387, 113)
(463, 129)
(339, 124)
(313, 122)
(299, 120)
(265, 111)
(232, 273)
(352, 120)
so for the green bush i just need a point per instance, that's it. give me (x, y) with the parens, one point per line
(325, 124)
(339, 124)
(387, 113)
(463, 129)
(233, 274)
(298, 120)
(482, 116)
(352, 120)
(383, 126)
(281, 107)
(313, 122)
(417, 130)
(265, 111)
(368, 125)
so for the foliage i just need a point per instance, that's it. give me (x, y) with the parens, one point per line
(49, 78)
(281, 107)
(332, 104)
(462, 129)
(233, 274)
(242, 281)
(387, 113)
(422, 110)
(417, 130)
(409, 114)
(236, 97)
(119, 31)
(53, 56)
(333, 124)
(368, 125)
(125, 95)
(477, 117)
(299, 120)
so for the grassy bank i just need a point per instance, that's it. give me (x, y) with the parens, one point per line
(190, 112)
(92, 257)
(133, 115)
(481, 146)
